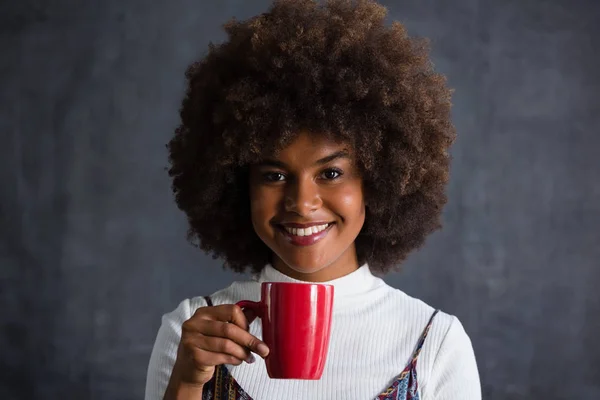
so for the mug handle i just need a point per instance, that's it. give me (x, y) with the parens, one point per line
(251, 309)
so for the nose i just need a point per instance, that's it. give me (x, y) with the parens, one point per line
(302, 197)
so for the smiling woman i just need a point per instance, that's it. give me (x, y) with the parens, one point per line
(313, 147)
(307, 206)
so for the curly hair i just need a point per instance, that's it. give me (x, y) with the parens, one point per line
(334, 69)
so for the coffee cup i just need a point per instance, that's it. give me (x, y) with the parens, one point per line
(296, 325)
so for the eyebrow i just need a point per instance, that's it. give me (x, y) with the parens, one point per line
(324, 160)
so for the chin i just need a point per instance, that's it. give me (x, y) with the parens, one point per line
(305, 265)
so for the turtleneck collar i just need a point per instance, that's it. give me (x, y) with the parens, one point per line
(355, 283)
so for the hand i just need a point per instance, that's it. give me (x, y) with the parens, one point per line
(214, 336)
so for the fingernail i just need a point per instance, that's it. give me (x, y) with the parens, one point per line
(262, 349)
(250, 359)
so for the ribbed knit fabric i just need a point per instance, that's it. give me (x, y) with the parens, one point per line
(375, 329)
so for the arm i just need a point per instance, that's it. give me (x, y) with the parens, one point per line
(164, 352)
(454, 374)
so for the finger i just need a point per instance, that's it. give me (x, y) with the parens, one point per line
(226, 346)
(225, 312)
(234, 314)
(204, 359)
(237, 334)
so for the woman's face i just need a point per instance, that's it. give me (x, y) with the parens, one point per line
(307, 206)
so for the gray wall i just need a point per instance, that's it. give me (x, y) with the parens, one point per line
(93, 250)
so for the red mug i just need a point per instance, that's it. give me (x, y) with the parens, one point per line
(296, 325)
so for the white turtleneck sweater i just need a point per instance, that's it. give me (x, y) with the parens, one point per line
(374, 331)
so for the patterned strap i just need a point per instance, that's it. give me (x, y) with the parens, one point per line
(423, 336)
(406, 385)
(223, 386)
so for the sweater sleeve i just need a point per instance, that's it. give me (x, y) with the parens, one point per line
(454, 374)
(164, 352)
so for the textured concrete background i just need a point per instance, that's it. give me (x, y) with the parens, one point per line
(93, 249)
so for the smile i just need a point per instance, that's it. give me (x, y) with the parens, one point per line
(305, 236)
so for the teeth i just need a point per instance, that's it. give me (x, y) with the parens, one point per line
(306, 231)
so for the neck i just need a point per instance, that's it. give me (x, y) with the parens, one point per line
(342, 266)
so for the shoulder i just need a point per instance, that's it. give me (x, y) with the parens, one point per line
(444, 329)
(452, 367)
(415, 311)
(410, 317)
(446, 362)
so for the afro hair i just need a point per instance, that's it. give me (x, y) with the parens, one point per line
(334, 69)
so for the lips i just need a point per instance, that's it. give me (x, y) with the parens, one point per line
(307, 225)
(304, 234)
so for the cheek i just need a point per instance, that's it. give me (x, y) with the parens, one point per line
(349, 203)
(263, 206)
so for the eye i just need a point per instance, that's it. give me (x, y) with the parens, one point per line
(331, 174)
(273, 176)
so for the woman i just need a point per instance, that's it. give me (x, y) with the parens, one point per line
(313, 147)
